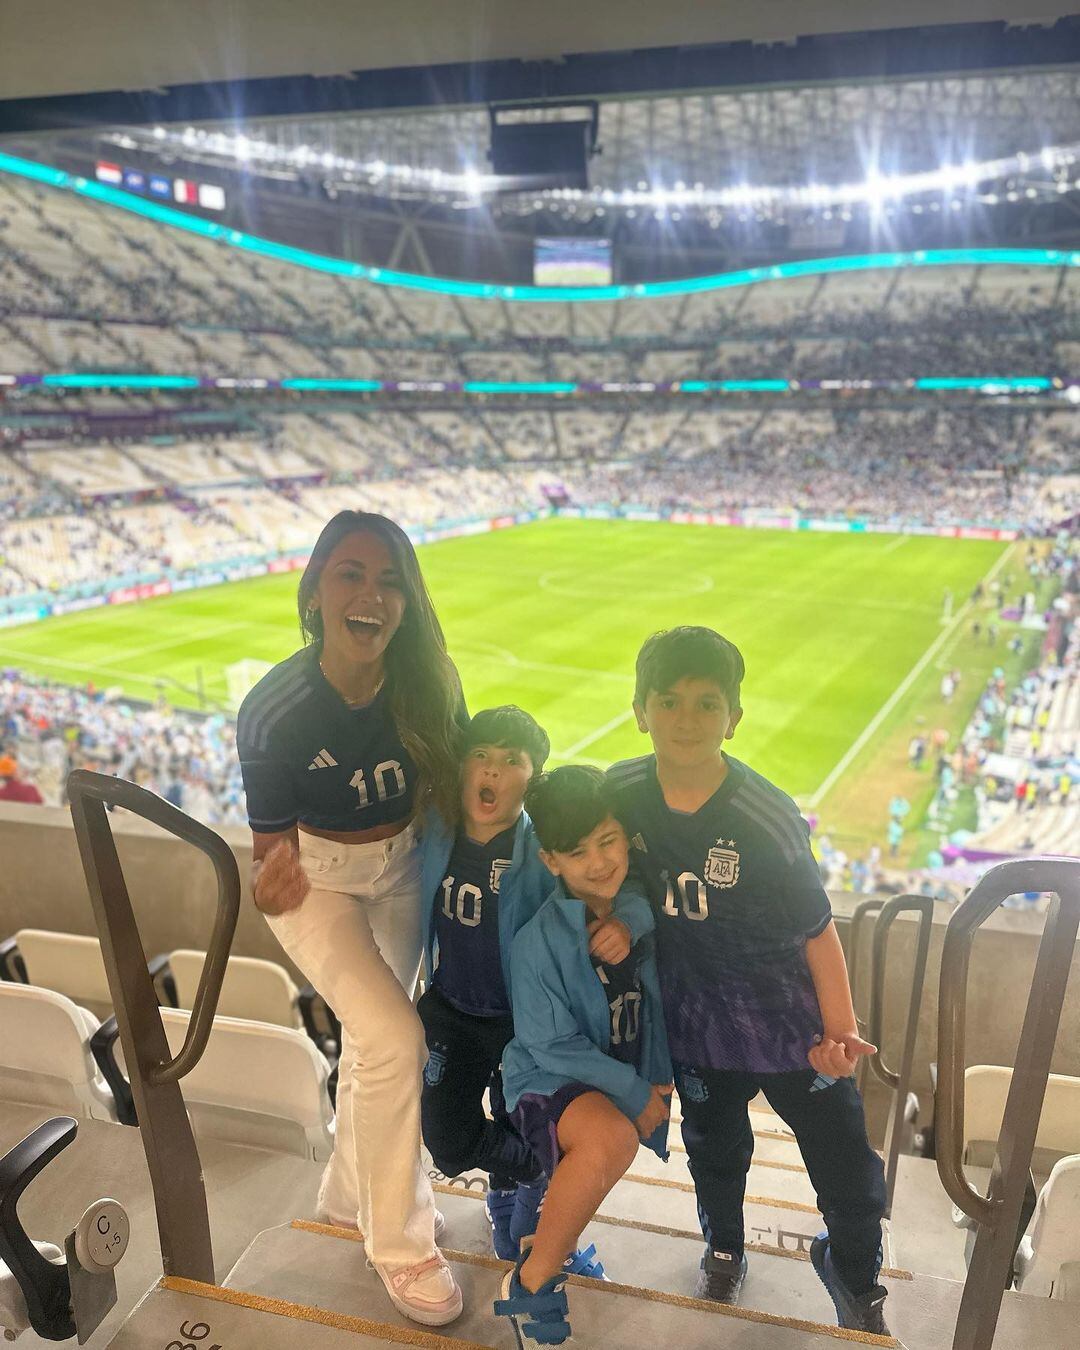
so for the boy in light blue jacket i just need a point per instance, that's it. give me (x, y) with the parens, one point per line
(588, 1074)
(482, 879)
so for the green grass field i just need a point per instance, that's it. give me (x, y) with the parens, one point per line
(842, 635)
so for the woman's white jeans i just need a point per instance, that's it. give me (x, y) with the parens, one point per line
(357, 937)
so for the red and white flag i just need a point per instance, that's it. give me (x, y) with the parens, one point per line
(108, 173)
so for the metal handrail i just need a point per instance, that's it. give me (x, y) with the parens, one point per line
(172, 1158)
(859, 917)
(897, 1080)
(997, 1213)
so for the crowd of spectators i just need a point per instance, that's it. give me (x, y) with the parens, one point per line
(1019, 754)
(46, 730)
(187, 504)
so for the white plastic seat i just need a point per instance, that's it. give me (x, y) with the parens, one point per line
(986, 1088)
(259, 991)
(1048, 1260)
(14, 1319)
(45, 1057)
(69, 963)
(256, 1084)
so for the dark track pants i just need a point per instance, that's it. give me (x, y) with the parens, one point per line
(830, 1128)
(464, 1053)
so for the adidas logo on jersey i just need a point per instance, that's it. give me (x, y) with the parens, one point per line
(639, 843)
(323, 760)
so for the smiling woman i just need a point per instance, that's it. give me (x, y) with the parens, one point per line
(341, 746)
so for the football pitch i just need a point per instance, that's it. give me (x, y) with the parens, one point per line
(843, 637)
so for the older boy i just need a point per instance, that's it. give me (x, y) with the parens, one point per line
(588, 1071)
(755, 987)
(482, 879)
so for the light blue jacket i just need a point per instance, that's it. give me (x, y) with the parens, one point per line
(562, 1024)
(523, 888)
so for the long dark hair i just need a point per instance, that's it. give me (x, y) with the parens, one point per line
(423, 684)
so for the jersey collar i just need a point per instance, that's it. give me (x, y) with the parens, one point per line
(735, 775)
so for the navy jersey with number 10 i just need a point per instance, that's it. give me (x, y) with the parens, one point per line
(736, 894)
(307, 757)
(468, 971)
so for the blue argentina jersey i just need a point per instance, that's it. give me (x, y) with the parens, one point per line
(622, 986)
(468, 964)
(308, 758)
(736, 894)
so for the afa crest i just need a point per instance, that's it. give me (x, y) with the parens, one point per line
(722, 864)
(498, 867)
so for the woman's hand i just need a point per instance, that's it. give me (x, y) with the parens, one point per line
(278, 881)
(657, 1110)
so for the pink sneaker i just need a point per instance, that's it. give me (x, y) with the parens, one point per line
(426, 1292)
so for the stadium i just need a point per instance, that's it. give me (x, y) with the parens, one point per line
(630, 322)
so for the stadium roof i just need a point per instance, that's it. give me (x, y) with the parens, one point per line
(761, 138)
(154, 44)
(389, 104)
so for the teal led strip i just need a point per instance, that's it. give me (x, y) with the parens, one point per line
(483, 290)
(519, 387)
(345, 386)
(733, 386)
(985, 382)
(81, 381)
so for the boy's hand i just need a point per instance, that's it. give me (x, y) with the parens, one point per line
(656, 1111)
(837, 1054)
(609, 940)
(279, 881)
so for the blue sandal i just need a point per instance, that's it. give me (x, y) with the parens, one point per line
(543, 1315)
(585, 1263)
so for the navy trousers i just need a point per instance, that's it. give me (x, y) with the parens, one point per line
(464, 1053)
(830, 1128)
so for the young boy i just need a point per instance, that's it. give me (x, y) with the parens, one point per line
(753, 976)
(482, 880)
(587, 1073)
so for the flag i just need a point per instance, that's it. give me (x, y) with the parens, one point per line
(108, 173)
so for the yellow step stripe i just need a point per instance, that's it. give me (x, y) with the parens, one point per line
(757, 1162)
(891, 1272)
(301, 1312)
(633, 1291)
(688, 1187)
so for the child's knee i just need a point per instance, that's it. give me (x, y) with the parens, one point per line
(625, 1141)
(613, 1146)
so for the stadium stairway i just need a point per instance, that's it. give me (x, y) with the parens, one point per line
(316, 1275)
(645, 1234)
(301, 1271)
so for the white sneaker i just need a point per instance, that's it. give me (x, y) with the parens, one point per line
(426, 1292)
(322, 1217)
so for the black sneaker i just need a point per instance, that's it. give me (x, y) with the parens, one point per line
(721, 1276)
(861, 1312)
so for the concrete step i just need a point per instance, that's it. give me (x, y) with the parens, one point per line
(662, 1205)
(307, 1263)
(323, 1269)
(777, 1180)
(779, 1280)
(247, 1189)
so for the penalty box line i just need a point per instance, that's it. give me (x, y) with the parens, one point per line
(905, 684)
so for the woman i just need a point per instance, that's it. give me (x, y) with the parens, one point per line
(341, 745)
